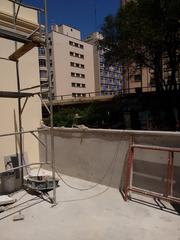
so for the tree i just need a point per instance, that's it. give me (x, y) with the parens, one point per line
(144, 31)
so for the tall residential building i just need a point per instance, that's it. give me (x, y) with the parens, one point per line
(71, 63)
(108, 79)
(26, 22)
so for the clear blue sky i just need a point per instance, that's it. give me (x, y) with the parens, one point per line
(79, 13)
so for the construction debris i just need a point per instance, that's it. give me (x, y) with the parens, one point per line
(5, 199)
(18, 217)
(2, 209)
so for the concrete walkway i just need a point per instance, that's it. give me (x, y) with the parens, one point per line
(100, 213)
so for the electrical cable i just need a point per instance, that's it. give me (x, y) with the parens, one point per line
(114, 160)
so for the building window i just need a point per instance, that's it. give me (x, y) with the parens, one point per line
(42, 62)
(42, 51)
(50, 51)
(79, 85)
(71, 43)
(138, 77)
(78, 95)
(79, 75)
(51, 64)
(43, 74)
(74, 54)
(71, 54)
(78, 65)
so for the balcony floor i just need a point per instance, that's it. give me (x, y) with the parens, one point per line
(100, 213)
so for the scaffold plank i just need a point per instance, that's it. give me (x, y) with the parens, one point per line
(7, 94)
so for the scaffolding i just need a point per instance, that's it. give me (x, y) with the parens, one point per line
(32, 36)
(168, 188)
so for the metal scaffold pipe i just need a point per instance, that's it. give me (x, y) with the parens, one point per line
(50, 103)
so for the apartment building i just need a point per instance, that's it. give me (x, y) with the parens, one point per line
(71, 63)
(108, 79)
(26, 22)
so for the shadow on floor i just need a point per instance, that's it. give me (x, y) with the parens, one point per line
(155, 203)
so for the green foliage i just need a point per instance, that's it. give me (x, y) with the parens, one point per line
(95, 115)
(143, 31)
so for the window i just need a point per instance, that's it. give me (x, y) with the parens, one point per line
(50, 51)
(138, 77)
(74, 54)
(79, 75)
(51, 64)
(71, 43)
(42, 62)
(79, 85)
(71, 54)
(43, 74)
(42, 51)
(78, 65)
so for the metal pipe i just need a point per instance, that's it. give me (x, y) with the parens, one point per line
(25, 165)
(36, 86)
(158, 148)
(6, 59)
(154, 194)
(50, 102)
(20, 120)
(19, 100)
(23, 132)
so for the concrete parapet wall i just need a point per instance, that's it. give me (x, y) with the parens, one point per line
(100, 156)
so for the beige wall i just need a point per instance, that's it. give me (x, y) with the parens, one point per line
(131, 83)
(29, 76)
(69, 31)
(24, 13)
(62, 69)
(100, 155)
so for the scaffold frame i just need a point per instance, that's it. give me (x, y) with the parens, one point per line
(34, 39)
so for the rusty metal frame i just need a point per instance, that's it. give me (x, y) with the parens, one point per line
(128, 188)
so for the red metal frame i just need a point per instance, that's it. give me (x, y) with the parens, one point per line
(168, 196)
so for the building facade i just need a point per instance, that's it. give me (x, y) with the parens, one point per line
(71, 63)
(108, 79)
(29, 76)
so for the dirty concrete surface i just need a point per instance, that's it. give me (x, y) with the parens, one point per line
(99, 213)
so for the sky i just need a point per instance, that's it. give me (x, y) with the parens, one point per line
(85, 15)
